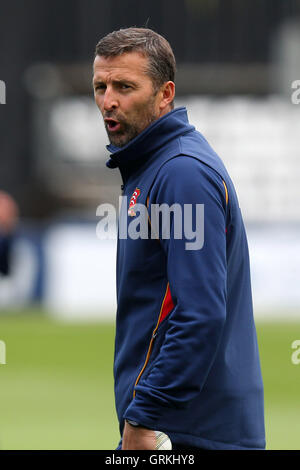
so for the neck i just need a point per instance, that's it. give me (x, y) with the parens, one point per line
(166, 110)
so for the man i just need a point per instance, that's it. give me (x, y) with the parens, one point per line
(186, 356)
(8, 221)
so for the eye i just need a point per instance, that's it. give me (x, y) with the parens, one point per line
(124, 86)
(100, 87)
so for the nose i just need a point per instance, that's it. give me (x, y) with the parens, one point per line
(110, 101)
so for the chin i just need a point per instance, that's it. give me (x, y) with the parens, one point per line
(118, 142)
(121, 141)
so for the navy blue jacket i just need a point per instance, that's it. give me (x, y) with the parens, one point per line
(186, 354)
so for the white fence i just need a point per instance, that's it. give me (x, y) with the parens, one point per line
(80, 273)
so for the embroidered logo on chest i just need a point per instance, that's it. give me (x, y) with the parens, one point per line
(133, 201)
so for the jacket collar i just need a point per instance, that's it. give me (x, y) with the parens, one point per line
(133, 155)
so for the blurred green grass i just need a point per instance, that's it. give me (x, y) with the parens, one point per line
(57, 384)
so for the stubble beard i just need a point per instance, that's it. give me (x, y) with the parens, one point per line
(131, 129)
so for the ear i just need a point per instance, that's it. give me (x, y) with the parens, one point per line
(167, 95)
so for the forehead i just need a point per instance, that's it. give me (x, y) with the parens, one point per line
(128, 65)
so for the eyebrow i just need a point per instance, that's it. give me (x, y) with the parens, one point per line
(114, 82)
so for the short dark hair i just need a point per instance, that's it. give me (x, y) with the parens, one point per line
(161, 61)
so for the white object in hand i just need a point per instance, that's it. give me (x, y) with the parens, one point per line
(162, 441)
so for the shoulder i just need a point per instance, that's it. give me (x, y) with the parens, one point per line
(188, 176)
(183, 167)
(185, 171)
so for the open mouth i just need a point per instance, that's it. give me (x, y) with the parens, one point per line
(112, 125)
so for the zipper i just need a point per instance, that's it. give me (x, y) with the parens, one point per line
(151, 343)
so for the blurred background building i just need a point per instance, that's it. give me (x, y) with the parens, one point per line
(236, 65)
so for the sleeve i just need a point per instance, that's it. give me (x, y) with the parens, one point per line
(197, 278)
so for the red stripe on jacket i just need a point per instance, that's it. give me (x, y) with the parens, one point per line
(167, 306)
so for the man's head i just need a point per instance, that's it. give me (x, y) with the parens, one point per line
(134, 71)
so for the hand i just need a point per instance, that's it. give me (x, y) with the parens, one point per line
(137, 438)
